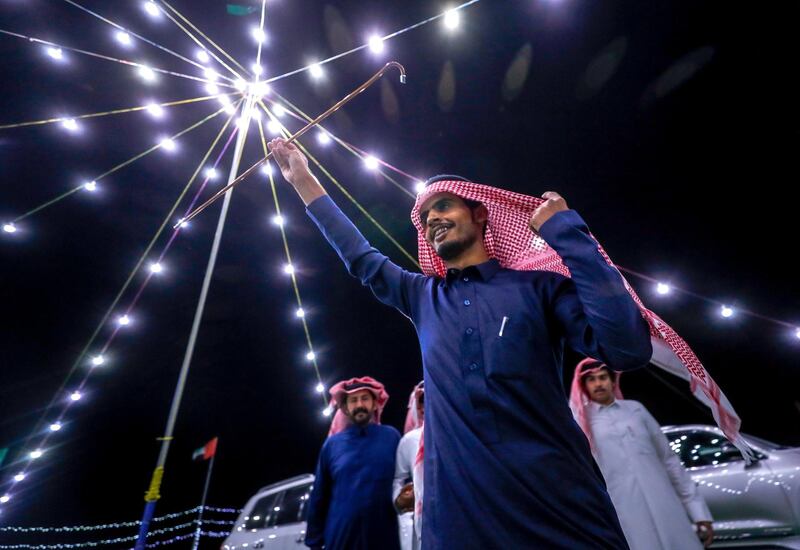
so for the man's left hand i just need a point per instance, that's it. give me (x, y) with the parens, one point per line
(706, 532)
(555, 203)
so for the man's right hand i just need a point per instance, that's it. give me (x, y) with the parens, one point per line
(294, 167)
(405, 500)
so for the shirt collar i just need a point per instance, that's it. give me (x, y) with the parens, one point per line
(594, 406)
(484, 271)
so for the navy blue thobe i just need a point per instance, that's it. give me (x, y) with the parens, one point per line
(350, 507)
(506, 466)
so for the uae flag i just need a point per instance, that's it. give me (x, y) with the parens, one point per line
(207, 451)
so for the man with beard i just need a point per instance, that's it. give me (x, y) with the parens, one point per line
(505, 464)
(656, 499)
(350, 505)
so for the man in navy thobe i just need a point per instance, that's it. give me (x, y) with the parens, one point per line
(506, 466)
(350, 506)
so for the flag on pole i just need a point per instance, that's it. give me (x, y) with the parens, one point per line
(205, 452)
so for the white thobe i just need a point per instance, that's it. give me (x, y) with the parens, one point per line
(656, 500)
(403, 473)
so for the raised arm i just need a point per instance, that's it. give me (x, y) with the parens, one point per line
(597, 313)
(390, 283)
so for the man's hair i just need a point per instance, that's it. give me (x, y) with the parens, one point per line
(597, 365)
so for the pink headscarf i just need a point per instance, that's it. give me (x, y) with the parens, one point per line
(509, 239)
(579, 399)
(413, 421)
(338, 392)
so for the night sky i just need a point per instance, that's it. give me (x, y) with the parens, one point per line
(666, 125)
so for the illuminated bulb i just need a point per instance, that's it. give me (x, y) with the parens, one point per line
(9, 228)
(259, 35)
(323, 138)
(19, 477)
(98, 360)
(183, 223)
(279, 221)
(202, 56)
(156, 267)
(224, 100)
(154, 110)
(90, 186)
(326, 411)
(229, 110)
(151, 9)
(75, 396)
(55, 426)
(147, 74)
(4, 499)
(255, 113)
(278, 110)
(36, 454)
(300, 313)
(319, 388)
(797, 333)
(371, 162)
(288, 269)
(257, 69)
(211, 173)
(376, 43)
(55, 53)
(266, 169)
(274, 127)
(123, 38)
(451, 18)
(663, 288)
(212, 88)
(315, 70)
(311, 355)
(211, 74)
(167, 144)
(726, 311)
(70, 124)
(240, 84)
(419, 187)
(124, 321)
(260, 89)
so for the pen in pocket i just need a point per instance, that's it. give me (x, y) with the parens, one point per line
(502, 326)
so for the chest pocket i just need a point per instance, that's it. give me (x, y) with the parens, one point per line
(638, 436)
(511, 352)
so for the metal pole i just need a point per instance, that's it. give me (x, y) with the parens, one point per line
(153, 494)
(203, 503)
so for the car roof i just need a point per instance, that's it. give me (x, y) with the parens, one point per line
(296, 480)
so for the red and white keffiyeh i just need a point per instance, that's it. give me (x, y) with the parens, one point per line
(509, 239)
(341, 389)
(579, 399)
(413, 420)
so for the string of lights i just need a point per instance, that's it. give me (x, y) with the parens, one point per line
(149, 74)
(125, 37)
(121, 524)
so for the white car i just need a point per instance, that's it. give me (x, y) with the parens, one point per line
(755, 506)
(275, 518)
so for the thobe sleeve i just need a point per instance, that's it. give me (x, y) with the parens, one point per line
(684, 485)
(318, 501)
(391, 284)
(403, 465)
(598, 315)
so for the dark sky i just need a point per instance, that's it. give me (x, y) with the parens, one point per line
(670, 126)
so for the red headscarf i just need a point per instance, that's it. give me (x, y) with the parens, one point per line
(509, 239)
(413, 421)
(340, 390)
(579, 399)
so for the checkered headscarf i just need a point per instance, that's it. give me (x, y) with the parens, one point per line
(509, 239)
(341, 390)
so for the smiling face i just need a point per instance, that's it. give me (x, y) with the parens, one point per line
(360, 406)
(451, 227)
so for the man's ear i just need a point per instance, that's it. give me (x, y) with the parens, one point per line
(480, 214)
